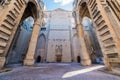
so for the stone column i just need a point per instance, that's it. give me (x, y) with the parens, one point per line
(29, 60)
(85, 59)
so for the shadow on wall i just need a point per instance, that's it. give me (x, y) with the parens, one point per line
(20, 43)
(91, 40)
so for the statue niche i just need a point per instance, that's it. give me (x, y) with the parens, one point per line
(58, 51)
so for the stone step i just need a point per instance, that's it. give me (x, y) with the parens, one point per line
(6, 31)
(106, 37)
(102, 32)
(109, 45)
(3, 44)
(1, 51)
(4, 37)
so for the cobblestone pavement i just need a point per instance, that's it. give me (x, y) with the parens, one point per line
(54, 71)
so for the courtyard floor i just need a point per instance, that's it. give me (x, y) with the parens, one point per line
(57, 71)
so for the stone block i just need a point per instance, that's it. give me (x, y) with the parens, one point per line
(29, 62)
(2, 62)
(86, 62)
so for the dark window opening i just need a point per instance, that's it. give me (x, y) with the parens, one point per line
(43, 29)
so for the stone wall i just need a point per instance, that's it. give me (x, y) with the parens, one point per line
(59, 38)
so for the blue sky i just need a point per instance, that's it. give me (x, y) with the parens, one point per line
(54, 4)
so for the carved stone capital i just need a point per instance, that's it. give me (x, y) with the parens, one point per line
(37, 23)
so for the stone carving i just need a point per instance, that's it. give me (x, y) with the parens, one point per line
(58, 51)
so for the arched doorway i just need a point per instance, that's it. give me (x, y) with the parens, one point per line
(78, 59)
(59, 58)
(38, 60)
(41, 48)
(58, 54)
(20, 43)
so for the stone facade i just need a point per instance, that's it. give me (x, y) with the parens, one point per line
(58, 38)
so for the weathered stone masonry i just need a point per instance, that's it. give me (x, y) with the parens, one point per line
(105, 15)
(12, 14)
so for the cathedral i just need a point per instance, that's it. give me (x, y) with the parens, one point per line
(89, 34)
(58, 35)
(58, 41)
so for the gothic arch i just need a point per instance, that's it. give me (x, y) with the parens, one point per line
(83, 10)
(104, 28)
(42, 39)
(33, 9)
(41, 47)
(19, 10)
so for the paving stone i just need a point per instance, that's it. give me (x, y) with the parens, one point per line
(57, 71)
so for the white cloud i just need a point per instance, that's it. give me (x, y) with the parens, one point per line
(63, 2)
(56, 1)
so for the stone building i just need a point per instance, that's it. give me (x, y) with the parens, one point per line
(55, 42)
(58, 41)
(92, 34)
(104, 15)
(59, 36)
(13, 13)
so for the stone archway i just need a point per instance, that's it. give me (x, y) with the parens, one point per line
(29, 11)
(104, 29)
(41, 48)
(18, 11)
(91, 40)
(20, 43)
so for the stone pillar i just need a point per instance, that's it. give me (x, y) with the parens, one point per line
(29, 60)
(85, 59)
(106, 62)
